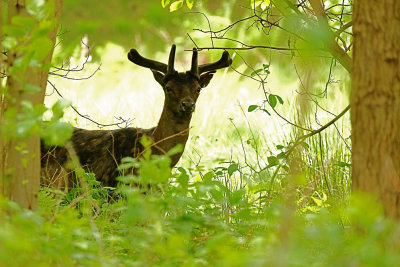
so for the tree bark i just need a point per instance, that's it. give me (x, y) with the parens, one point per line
(375, 116)
(20, 159)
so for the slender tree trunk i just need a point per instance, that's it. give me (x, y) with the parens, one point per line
(20, 166)
(1, 40)
(2, 100)
(375, 116)
(1, 86)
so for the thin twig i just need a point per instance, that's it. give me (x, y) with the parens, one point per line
(160, 141)
(122, 124)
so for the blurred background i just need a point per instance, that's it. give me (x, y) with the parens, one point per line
(102, 32)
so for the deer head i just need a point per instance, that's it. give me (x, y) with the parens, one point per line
(181, 88)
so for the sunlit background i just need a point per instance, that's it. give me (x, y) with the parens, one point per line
(222, 129)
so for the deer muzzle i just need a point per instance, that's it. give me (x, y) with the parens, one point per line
(187, 106)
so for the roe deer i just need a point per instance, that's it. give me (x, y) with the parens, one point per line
(100, 151)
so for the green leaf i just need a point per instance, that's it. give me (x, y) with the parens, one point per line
(266, 68)
(40, 109)
(164, 3)
(232, 168)
(175, 5)
(279, 99)
(272, 160)
(190, 3)
(343, 164)
(13, 30)
(281, 155)
(31, 88)
(252, 108)
(41, 47)
(280, 147)
(317, 201)
(208, 176)
(256, 72)
(272, 100)
(56, 133)
(27, 106)
(236, 197)
(217, 195)
(182, 170)
(183, 178)
(59, 106)
(25, 128)
(23, 21)
(175, 150)
(266, 111)
(44, 28)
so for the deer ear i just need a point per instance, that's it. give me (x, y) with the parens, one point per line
(206, 78)
(159, 77)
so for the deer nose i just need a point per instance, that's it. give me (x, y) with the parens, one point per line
(187, 106)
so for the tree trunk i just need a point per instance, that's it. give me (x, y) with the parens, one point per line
(1, 93)
(20, 159)
(375, 116)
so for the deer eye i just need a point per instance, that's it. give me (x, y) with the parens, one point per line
(199, 90)
(168, 89)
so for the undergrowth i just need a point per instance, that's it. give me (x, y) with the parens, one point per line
(220, 216)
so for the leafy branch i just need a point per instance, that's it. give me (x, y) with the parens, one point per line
(311, 13)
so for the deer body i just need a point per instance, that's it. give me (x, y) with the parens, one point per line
(101, 151)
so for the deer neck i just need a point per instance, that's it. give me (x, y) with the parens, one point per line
(170, 131)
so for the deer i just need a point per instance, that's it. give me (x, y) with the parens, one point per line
(101, 151)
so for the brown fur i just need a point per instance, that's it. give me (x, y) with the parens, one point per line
(99, 151)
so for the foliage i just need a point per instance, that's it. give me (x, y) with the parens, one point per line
(268, 200)
(131, 24)
(30, 122)
(27, 37)
(194, 223)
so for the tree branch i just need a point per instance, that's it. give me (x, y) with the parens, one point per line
(344, 27)
(246, 47)
(300, 139)
(123, 123)
(341, 56)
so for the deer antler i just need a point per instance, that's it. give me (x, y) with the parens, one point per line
(194, 70)
(223, 62)
(136, 58)
(171, 61)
